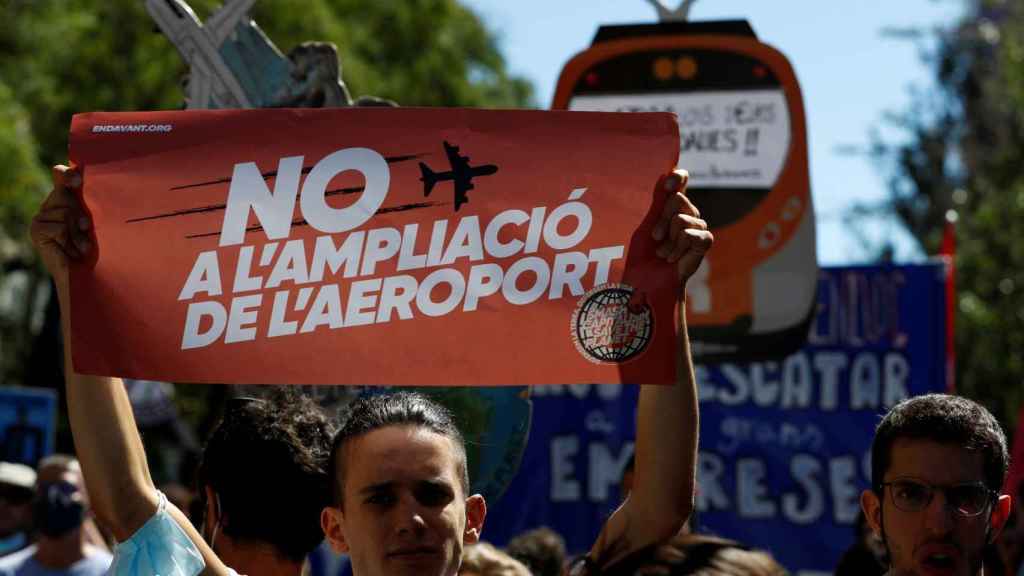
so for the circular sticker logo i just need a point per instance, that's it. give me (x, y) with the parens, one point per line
(611, 325)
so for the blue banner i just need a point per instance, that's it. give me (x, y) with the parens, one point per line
(784, 445)
(27, 424)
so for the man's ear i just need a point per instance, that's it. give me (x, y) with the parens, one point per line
(1000, 514)
(872, 508)
(476, 511)
(212, 512)
(332, 522)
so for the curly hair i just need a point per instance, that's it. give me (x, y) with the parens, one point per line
(945, 419)
(267, 462)
(368, 413)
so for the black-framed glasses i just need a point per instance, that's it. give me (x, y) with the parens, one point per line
(967, 500)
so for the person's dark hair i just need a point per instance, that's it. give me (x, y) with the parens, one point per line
(694, 554)
(368, 413)
(945, 419)
(541, 549)
(267, 462)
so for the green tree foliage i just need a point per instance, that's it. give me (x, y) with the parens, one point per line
(415, 52)
(67, 56)
(22, 180)
(60, 57)
(964, 158)
(22, 184)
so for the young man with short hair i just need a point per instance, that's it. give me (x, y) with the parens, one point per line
(937, 465)
(401, 488)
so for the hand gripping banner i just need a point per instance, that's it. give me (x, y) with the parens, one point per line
(374, 246)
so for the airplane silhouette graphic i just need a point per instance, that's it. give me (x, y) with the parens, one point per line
(461, 174)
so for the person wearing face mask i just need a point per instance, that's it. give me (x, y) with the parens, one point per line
(59, 511)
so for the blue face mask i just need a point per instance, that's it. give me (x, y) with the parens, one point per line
(55, 509)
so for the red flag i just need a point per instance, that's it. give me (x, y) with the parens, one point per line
(948, 253)
(1016, 474)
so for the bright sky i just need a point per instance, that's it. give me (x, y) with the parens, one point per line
(849, 73)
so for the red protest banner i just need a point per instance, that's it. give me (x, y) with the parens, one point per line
(374, 246)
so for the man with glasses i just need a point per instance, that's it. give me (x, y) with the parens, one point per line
(937, 464)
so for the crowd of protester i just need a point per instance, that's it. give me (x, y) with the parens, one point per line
(387, 484)
(46, 528)
(48, 531)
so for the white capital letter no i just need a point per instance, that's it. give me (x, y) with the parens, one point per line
(273, 210)
(324, 218)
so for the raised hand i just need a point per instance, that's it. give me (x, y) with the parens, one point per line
(61, 228)
(684, 237)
